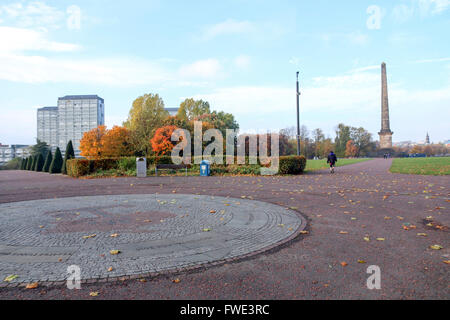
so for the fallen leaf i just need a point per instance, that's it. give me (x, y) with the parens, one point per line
(32, 285)
(422, 234)
(114, 235)
(11, 277)
(93, 293)
(344, 264)
(114, 252)
(142, 280)
(343, 232)
(89, 236)
(381, 239)
(206, 230)
(176, 280)
(436, 247)
(304, 232)
(361, 261)
(366, 239)
(446, 261)
(212, 211)
(110, 269)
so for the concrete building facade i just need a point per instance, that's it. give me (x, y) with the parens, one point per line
(47, 126)
(77, 115)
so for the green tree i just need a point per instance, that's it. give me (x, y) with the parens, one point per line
(190, 109)
(57, 162)
(48, 161)
(27, 167)
(33, 163)
(39, 163)
(147, 114)
(22, 164)
(362, 139)
(342, 137)
(70, 154)
(39, 148)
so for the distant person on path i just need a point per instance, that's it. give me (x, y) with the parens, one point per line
(332, 159)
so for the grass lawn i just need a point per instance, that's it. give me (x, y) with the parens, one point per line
(312, 165)
(426, 166)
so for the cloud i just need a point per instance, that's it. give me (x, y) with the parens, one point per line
(32, 14)
(19, 40)
(356, 37)
(242, 62)
(208, 68)
(228, 27)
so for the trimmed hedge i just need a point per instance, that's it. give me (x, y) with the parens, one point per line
(82, 167)
(78, 167)
(48, 161)
(39, 163)
(292, 164)
(57, 162)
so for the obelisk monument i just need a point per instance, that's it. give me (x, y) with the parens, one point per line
(385, 133)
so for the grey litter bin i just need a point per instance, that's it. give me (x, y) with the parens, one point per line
(141, 167)
(205, 168)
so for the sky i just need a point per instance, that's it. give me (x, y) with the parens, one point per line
(239, 55)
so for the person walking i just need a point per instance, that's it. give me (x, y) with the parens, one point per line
(332, 159)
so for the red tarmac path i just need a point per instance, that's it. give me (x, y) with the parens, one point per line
(361, 200)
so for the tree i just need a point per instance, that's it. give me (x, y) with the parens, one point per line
(318, 137)
(39, 163)
(33, 163)
(39, 148)
(70, 154)
(29, 160)
(23, 164)
(190, 109)
(146, 115)
(91, 144)
(161, 141)
(351, 150)
(57, 162)
(362, 139)
(13, 164)
(116, 142)
(342, 137)
(48, 161)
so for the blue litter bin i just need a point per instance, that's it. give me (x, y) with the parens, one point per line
(205, 168)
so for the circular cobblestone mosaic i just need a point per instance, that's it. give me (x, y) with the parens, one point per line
(114, 236)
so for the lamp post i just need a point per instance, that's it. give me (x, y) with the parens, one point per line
(298, 117)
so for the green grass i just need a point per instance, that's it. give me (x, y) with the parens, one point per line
(312, 165)
(425, 166)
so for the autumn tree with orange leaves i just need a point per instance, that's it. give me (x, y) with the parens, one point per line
(350, 149)
(161, 141)
(101, 143)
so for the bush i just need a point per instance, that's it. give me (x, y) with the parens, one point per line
(48, 161)
(39, 163)
(57, 162)
(70, 154)
(126, 164)
(78, 167)
(292, 164)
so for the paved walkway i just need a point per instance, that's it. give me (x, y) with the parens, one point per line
(406, 213)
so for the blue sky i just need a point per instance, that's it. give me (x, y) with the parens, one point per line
(239, 55)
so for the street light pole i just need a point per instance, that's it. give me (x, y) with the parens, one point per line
(298, 117)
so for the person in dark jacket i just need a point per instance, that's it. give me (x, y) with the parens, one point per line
(332, 159)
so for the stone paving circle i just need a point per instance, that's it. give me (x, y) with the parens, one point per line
(154, 233)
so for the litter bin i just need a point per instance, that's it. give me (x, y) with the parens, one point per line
(205, 168)
(141, 167)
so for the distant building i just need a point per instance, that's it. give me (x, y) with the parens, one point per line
(172, 111)
(77, 115)
(427, 139)
(7, 153)
(47, 126)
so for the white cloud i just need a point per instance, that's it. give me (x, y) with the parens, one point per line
(32, 14)
(355, 37)
(228, 27)
(242, 61)
(19, 39)
(208, 68)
